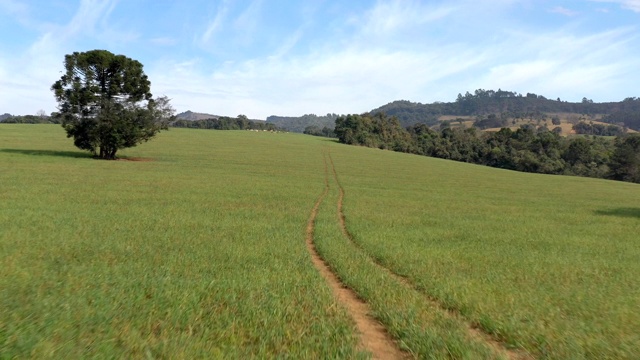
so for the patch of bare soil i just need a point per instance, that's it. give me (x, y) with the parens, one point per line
(373, 336)
(473, 331)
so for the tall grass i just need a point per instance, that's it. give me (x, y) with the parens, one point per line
(545, 263)
(198, 253)
(421, 329)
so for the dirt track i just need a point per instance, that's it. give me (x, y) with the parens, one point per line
(474, 332)
(373, 336)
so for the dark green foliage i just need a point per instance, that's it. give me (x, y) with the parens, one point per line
(492, 109)
(491, 121)
(588, 156)
(508, 104)
(105, 103)
(626, 113)
(225, 123)
(316, 131)
(300, 123)
(29, 119)
(527, 149)
(409, 113)
(377, 130)
(625, 161)
(598, 129)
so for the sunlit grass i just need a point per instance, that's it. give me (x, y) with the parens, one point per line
(197, 253)
(421, 329)
(546, 263)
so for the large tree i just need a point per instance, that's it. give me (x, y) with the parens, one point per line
(105, 103)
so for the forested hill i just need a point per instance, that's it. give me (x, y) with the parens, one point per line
(512, 104)
(300, 123)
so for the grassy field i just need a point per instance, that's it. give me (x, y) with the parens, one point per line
(200, 252)
(545, 263)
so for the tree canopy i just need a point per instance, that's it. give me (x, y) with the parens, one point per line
(105, 103)
(528, 148)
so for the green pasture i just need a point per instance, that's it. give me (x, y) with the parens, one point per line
(548, 264)
(198, 251)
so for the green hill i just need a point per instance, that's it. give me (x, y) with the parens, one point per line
(512, 105)
(300, 123)
(197, 245)
(507, 105)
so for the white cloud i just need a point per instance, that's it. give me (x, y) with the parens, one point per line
(353, 78)
(31, 73)
(247, 22)
(349, 80)
(216, 24)
(387, 17)
(409, 50)
(89, 14)
(565, 65)
(563, 11)
(633, 5)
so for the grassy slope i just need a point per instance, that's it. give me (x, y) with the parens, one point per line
(547, 263)
(199, 253)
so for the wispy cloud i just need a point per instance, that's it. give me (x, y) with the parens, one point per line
(563, 11)
(568, 64)
(333, 56)
(387, 17)
(216, 23)
(633, 5)
(16, 9)
(246, 24)
(33, 71)
(348, 76)
(90, 14)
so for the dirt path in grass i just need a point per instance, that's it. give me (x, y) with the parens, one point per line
(474, 332)
(373, 336)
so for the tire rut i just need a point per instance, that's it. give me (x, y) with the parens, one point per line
(474, 331)
(373, 337)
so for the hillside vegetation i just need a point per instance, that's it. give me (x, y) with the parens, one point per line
(528, 149)
(510, 105)
(195, 246)
(300, 123)
(491, 109)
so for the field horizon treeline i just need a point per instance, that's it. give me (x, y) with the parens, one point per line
(499, 107)
(527, 149)
(481, 104)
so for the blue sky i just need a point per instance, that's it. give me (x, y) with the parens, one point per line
(268, 57)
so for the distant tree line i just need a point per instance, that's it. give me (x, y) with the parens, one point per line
(225, 123)
(29, 119)
(508, 104)
(300, 123)
(317, 131)
(527, 149)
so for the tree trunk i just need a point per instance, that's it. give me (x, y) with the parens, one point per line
(108, 154)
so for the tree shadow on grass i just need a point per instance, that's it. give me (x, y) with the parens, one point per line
(623, 212)
(71, 154)
(330, 140)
